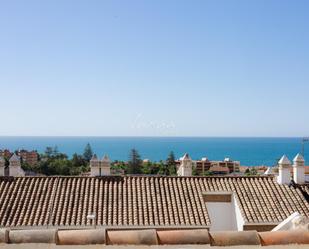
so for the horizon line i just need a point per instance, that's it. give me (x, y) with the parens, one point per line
(138, 136)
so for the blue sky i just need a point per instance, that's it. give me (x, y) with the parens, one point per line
(154, 68)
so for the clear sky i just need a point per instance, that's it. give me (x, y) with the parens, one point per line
(154, 68)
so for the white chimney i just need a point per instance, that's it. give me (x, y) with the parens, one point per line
(299, 169)
(100, 167)
(185, 168)
(15, 166)
(284, 176)
(105, 165)
(95, 166)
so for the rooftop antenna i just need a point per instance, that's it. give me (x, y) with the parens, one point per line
(304, 140)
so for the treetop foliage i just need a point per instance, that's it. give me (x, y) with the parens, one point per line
(88, 153)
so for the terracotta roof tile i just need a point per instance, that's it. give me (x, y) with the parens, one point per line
(140, 200)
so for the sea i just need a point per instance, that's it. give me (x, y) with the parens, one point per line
(249, 151)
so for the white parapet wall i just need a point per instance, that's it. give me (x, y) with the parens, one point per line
(287, 224)
(239, 218)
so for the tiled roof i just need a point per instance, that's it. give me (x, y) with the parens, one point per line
(140, 200)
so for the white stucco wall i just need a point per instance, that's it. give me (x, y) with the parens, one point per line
(221, 216)
(95, 171)
(284, 176)
(105, 171)
(100, 171)
(225, 216)
(239, 219)
(185, 169)
(299, 174)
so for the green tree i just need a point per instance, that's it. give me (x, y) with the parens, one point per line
(60, 167)
(146, 168)
(53, 162)
(25, 166)
(162, 168)
(88, 153)
(49, 152)
(7, 162)
(154, 168)
(135, 162)
(208, 173)
(171, 164)
(78, 160)
(56, 151)
(194, 171)
(119, 166)
(251, 172)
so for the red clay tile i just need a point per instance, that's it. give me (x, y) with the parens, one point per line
(33, 236)
(183, 237)
(4, 235)
(284, 237)
(132, 237)
(81, 237)
(229, 238)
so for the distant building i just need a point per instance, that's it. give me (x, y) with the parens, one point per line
(204, 165)
(30, 157)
